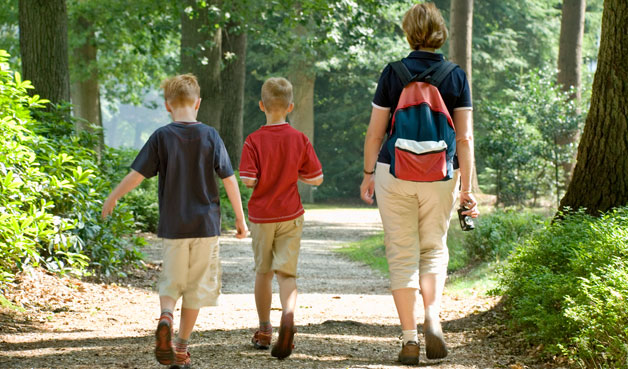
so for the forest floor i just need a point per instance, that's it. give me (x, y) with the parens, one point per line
(345, 317)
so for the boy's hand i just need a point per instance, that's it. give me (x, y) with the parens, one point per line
(241, 228)
(107, 206)
(367, 189)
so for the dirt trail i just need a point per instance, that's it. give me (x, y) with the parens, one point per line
(345, 318)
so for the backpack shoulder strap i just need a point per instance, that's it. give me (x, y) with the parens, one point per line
(402, 72)
(442, 72)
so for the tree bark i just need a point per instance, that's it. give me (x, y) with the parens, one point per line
(44, 48)
(302, 117)
(85, 89)
(460, 48)
(201, 52)
(461, 29)
(232, 80)
(600, 178)
(570, 65)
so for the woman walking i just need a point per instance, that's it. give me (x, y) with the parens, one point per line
(415, 215)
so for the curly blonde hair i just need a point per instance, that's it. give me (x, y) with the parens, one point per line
(424, 27)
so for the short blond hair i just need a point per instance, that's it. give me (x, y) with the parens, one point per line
(181, 90)
(424, 27)
(276, 93)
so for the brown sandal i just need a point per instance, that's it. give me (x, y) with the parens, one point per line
(261, 340)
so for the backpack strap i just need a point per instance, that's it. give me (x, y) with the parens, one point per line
(442, 72)
(424, 76)
(402, 72)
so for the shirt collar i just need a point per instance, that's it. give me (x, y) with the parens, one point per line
(418, 54)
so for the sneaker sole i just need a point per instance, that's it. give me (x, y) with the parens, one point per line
(283, 347)
(164, 353)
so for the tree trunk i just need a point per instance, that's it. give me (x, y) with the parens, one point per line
(84, 89)
(600, 178)
(232, 80)
(570, 63)
(302, 117)
(200, 55)
(44, 48)
(460, 47)
(461, 27)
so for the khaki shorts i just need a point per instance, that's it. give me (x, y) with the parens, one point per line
(191, 268)
(415, 216)
(276, 246)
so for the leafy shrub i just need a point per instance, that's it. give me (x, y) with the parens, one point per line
(498, 234)
(566, 287)
(142, 201)
(226, 210)
(51, 191)
(518, 154)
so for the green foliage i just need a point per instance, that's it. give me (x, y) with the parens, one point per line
(497, 234)
(142, 201)
(227, 214)
(370, 251)
(51, 191)
(566, 287)
(520, 154)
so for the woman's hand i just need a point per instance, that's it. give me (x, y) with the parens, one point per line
(367, 189)
(468, 200)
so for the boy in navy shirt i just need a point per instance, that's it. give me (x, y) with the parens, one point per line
(185, 154)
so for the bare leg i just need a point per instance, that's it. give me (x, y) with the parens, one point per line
(188, 319)
(287, 292)
(263, 295)
(432, 286)
(405, 301)
(288, 297)
(167, 303)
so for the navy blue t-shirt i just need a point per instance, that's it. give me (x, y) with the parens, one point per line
(186, 155)
(454, 89)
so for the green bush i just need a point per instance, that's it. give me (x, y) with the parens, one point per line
(51, 191)
(497, 234)
(566, 287)
(142, 201)
(226, 211)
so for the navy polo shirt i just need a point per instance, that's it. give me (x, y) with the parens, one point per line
(186, 156)
(454, 89)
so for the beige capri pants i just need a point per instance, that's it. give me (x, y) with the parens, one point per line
(415, 216)
(191, 268)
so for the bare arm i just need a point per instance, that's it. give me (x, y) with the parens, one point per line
(314, 181)
(375, 135)
(132, 180)
(463, 120)
(248, 182)
(233, 193)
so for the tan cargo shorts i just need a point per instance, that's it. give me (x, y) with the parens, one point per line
(276, 246)
(192, 270)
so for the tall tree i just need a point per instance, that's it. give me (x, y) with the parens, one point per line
(600, 178)
(461, 32)
(85, 88)
(201, 52)
(460, 47)
(570, 63)
(232, 79)
(44, 47)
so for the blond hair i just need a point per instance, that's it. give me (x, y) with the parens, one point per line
(276, 93)
(181, 90)
(424, 27)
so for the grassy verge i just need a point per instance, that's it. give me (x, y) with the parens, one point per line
(370, 251)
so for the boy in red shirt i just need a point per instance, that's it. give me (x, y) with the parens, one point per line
(274, 158)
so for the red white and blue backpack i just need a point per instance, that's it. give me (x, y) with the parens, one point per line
(422, 141)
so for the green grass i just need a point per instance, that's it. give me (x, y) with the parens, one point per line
(477, 280)
(370, 251)
(4, 303)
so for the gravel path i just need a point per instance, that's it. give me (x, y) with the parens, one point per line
(345, 317)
